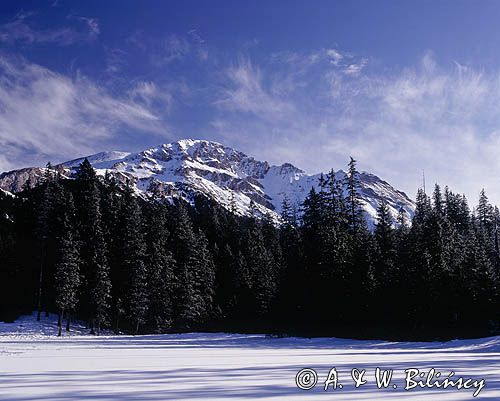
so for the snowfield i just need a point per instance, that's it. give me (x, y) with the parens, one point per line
(37, 365)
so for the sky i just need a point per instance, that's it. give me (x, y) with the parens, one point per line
(402, 86)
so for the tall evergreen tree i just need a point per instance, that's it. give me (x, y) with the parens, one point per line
(160, 266)
(439, 205)
(485, 212)
(384, 236)
(287, 212)
(261, 268)
(112, 198)
(204, 277)
(95, 268)
(352, 200)
(134, 260)
(195, 272)
(359, 278)
(67, 266)
(51, 204)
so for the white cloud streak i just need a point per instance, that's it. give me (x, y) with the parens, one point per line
(92, 25)
(48, 116)
(245, 92)
(151, 94)
(19, 30)
(445, 121)
(173, 48)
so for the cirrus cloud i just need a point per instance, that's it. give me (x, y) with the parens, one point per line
(441, 119)
(20, 30)
(48, 116)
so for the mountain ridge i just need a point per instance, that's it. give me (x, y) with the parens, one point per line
(230, 177)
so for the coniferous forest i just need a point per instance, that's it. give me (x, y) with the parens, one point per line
(90, 249)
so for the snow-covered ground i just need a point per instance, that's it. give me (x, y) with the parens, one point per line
(37, 365)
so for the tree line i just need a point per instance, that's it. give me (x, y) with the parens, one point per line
(90, 249)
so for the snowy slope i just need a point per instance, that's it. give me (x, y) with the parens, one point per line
(218, 366)
(6, 193)
(224, 174)
(28, 328)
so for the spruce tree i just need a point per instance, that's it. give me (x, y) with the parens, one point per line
(485, 212)
(67, 267)
(43, 234)
(95, 268)
(160, 266)
(352, 200)
(227, 279)
(313, 249)
(384, 237)
(287, 212)
(112, 198)
(204, 277)
(261, 268)
(134, 260)
(480, 281)
(439, 205)
(183, 246)
(403, 269)
(195, 272)
(51, 205)
(359, 280)
(290, 296)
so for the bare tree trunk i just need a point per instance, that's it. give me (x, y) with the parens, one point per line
(40, 283)
(117, 326)
(137, 328)
(59, 323)
(68, 319)
(92, 331)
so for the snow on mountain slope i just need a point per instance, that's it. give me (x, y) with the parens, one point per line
(98, 158)
(226, 175)
(6, 193)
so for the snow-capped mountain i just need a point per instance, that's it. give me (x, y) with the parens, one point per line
(226, 175)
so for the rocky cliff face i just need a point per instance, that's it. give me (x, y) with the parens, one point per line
(226, 175)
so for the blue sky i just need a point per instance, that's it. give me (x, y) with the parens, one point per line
(400, 85)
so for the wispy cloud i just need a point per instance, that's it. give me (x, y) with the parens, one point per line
(115, 60)
(342, 61)
(443, 120)
(49, 116)
(21, 30)
(245, 92)
(195, 36)
(313, 108)
(150, 94)
(92, 25)
(251, 43)
(172, 48)
(334, 55)
(356, 68)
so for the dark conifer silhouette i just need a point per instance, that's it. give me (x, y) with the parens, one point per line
(90, 248)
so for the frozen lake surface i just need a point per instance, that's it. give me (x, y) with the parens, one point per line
(37, 365)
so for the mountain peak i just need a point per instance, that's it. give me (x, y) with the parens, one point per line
(230, 177)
